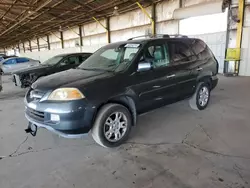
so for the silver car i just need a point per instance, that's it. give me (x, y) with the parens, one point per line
(10, 65)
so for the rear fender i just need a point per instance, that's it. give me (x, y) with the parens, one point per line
(205, 77)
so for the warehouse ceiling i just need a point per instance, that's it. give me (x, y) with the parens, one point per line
(21, 20)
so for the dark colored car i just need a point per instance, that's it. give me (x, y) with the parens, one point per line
(2, 56)
(121, 80)
(25, 77)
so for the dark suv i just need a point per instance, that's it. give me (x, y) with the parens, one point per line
(119, 81)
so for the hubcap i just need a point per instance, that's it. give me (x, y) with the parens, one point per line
(203, 96)
(115, 126)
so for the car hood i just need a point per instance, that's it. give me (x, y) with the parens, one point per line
(70, 78)
(33, 69)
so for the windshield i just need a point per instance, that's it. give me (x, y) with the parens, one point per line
(112, 58)
(53, 60)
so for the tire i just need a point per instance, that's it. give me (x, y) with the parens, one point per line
(194, 101)
(110, 111)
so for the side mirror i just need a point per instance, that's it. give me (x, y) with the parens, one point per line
(144, 66)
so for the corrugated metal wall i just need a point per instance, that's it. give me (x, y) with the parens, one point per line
(122, 27)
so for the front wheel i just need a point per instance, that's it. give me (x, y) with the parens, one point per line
(112, 125)
(200, 98)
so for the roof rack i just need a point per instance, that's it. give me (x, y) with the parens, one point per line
(159, 36)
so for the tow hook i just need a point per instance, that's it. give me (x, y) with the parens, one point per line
(32, 129)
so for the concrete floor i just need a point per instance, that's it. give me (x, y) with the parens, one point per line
(173, 147)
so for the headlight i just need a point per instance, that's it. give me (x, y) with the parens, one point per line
(66, 94)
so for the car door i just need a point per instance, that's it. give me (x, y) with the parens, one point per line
(157, 84)
(22, 62)
(184, 60)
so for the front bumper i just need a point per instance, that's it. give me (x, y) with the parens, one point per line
(75, 117)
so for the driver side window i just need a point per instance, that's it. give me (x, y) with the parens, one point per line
(158, 55)
(74, 60)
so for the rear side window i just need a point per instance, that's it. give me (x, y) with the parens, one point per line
(10, 62)
(181, 52)
(22, 60)
(201, 49)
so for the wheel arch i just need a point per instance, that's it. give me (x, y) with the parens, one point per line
(126, 101)
(205, 78)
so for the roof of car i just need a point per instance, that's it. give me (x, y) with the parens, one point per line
(14, 58)
(66, 54)
(144, 40)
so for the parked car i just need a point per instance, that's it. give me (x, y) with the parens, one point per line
(8, 56)
(121, 80)
(12, 64)
(3, 56)
(25, 77)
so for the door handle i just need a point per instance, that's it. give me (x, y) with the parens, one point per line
(171, 76)
(199, 69)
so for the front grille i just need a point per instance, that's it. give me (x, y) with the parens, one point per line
(35, 114)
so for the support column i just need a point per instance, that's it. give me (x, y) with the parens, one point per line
(80, 34)
(62, 41)
(108, 29)
(154, 18)
(18, 46)
(48, 42)
(180, 3)
(38, 44)
(24, 48)
(239, 29)
(147, 14)
(30, 45)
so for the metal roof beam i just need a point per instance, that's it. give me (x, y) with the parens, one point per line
(7, 11)
(38, 8)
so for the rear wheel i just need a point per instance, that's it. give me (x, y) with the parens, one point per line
(200, 99)
(112, 125)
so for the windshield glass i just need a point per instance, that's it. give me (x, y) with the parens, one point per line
(112, 58)
(53, 60)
